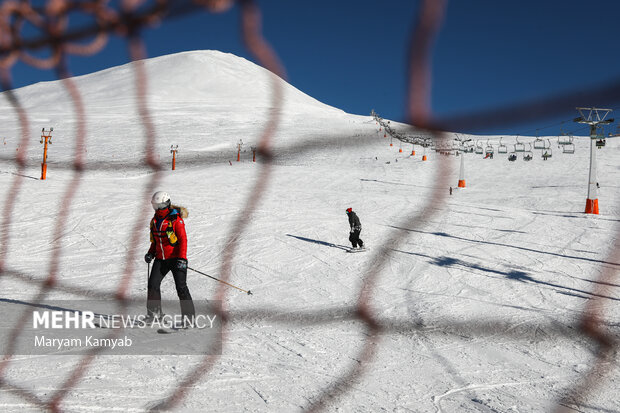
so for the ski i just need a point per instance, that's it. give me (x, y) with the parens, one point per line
(352, 250)
(171, 330)
(166, 330)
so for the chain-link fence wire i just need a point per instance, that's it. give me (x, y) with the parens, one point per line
(127, 20)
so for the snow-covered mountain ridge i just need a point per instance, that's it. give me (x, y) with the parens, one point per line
(209, 95)
(209, 77)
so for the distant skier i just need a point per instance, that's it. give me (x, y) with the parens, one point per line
(356, 228)
(450, 190)
(169, 248)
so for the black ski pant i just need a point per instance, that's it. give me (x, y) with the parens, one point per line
(355, 238)
(160, 269)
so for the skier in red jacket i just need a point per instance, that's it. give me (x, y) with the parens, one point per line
(169, 249)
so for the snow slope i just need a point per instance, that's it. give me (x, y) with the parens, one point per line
(492, 280)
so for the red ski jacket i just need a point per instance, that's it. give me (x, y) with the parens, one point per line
(168, 238)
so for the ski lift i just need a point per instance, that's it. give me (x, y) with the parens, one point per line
(519, 147)
(489, 149)
(565, 140)
(479, 149)
(502, 148)
(600, 137)
(568, 148)
(547, 152)
(529, 155)
(548, 149)
(539, 143)
(512, 156)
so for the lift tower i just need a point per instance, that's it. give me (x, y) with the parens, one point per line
(594, 117)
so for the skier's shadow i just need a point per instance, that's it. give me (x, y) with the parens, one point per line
(327, 244)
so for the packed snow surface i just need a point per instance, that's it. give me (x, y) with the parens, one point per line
(486, 285)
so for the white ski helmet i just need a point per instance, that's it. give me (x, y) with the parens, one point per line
(160, 200)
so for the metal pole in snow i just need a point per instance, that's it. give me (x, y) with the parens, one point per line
(593, 117)
(462, 172)
(592, 200)
(174, 149)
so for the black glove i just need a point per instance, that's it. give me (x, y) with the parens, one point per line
(148, 257)
(181, 263)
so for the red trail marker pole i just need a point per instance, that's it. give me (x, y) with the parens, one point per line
(173, 150)
(46, 137)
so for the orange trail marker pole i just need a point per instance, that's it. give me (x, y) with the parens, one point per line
(46, 137)
(462, 172)
(173, 150)
(239, 145)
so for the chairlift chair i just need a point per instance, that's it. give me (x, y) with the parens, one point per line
(546, 153)
(568, 148)
(479, 149)
(529, 155)
(539, 143)
(519, 147)
(502, 148)
(565, 140)
(489, 149)
(600, 143)
(512, 157)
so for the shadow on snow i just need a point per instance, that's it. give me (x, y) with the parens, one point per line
(516, 275)
(327, 244)
(555, 254)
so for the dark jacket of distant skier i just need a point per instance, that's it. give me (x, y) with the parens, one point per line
(356, 228)
(169, 248)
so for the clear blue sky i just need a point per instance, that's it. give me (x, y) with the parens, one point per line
(352, 54)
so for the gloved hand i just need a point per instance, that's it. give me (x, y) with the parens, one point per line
(148, 257)
(352, 230)
(181, 263)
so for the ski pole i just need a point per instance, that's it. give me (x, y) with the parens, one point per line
(148, 274)
(217, 279)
